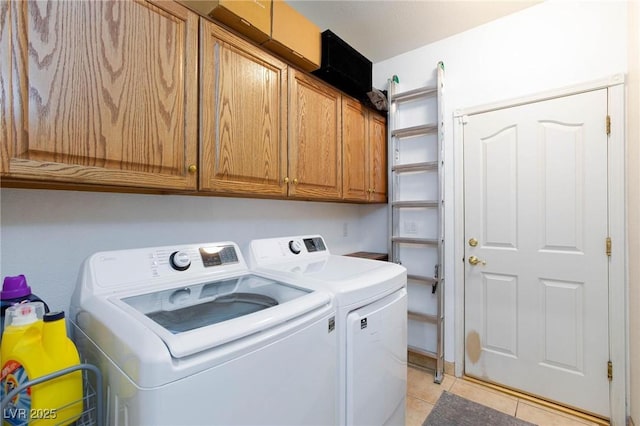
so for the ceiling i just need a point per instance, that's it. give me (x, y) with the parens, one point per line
(381, 29)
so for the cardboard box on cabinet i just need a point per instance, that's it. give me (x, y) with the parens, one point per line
(294, 37)
(249, 17)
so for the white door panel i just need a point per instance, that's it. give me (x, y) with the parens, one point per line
(536, 312)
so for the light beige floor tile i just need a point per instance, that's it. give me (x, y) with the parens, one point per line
(417, 411)
(422, 395)
(420, 385)
(544, 416)
(482, 395)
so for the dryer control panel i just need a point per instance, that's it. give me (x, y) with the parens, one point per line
(314, 244)
(276, 250)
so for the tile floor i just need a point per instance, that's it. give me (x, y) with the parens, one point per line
(422, 395)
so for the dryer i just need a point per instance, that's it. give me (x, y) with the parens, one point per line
(187, 335)
(371, 298)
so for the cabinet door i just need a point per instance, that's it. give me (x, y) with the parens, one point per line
(105, 93)
(377, 158)
(355, 131)
(315, 138)
(6, 115)
(243, 129)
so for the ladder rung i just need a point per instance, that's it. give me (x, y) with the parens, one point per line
(424, 129)
(423, 352)
(432, 319)
(416, 167)
(423, 279)
(410, 95)
(409, 204)
(422, 241)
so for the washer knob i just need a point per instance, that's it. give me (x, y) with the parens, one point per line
(179, 260)
(295, 246)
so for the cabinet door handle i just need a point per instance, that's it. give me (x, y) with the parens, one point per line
(295, 181)
(286, 180)
(192, 168)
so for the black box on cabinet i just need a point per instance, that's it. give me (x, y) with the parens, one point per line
(344, 67)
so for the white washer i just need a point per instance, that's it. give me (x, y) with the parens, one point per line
(186, 335)
(371, 321)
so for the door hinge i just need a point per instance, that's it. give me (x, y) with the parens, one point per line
(608, 246)
(610, 370)
(608, 125)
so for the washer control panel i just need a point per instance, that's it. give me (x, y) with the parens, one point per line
(218, 255)
(117, 268)
(180, 260)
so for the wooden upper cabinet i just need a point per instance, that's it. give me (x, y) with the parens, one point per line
(364, 135)
(6, 114)
(104, 93)
(355, 132)
(315, 138)
(377, 158)
(243, 129)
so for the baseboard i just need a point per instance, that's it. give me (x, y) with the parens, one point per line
(428, 363)
(521, 395)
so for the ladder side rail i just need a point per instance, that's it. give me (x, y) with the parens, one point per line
(439, 374)
(391, 181)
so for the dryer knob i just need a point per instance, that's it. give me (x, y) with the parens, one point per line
(295, 246)
(179, 260)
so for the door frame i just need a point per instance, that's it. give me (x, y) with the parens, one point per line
(618, 281)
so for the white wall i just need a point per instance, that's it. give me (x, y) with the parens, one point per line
(550, 45)
(633, 203)
(47, 234)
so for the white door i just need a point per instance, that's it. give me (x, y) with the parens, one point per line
(536, 301)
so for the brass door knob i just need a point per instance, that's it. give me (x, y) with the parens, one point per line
(192, 168)
(295, 181)
(473, 242)
(473, 260)
(286, 180)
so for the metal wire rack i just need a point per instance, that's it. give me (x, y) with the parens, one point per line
(92, 413)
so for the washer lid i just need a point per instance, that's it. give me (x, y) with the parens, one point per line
(192, 318)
